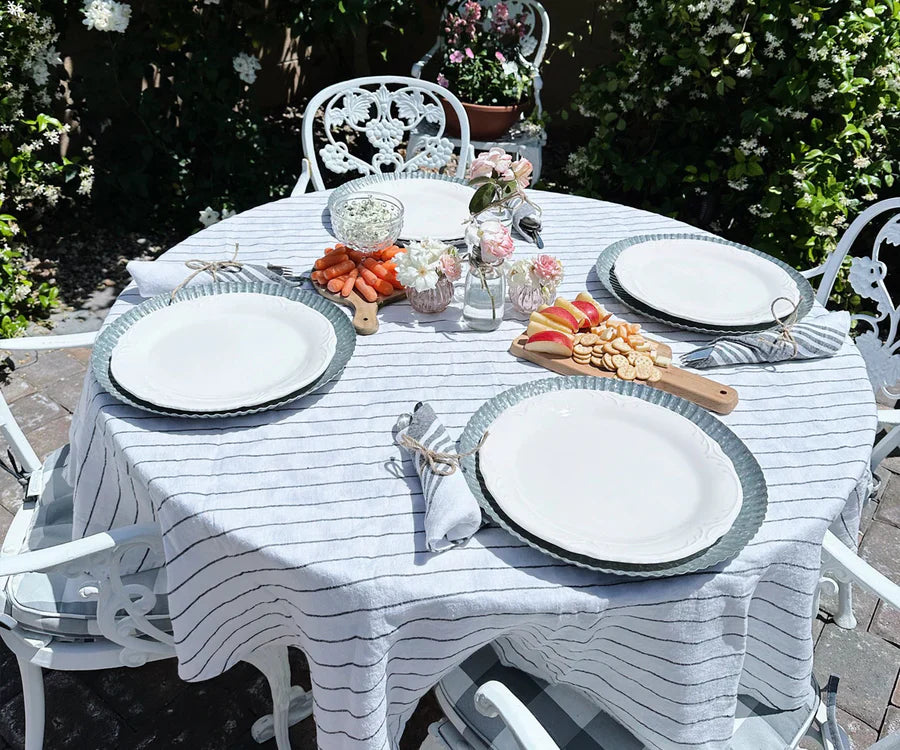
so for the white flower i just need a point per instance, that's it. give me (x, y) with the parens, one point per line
(246, 66)
(418, 268)
(861, 162)
(208, 216)
(106, 15)
(15, 10)
(226, 214)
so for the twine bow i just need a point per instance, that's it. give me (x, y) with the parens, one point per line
(213, 266)
(442, 464)
(785, 324)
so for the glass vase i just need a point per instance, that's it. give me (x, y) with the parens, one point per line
(527, 296)
(485, 295)
(431, 300)
(503, 214)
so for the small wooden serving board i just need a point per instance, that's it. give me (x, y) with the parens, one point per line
(702, 391)
(365, 313)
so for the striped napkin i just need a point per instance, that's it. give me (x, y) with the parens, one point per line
(155, 277)
(452, 514)
(821, 337)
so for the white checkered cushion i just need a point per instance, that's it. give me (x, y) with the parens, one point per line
(572, 720)
(50, 602)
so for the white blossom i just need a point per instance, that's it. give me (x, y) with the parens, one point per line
(246, 66)
(208, 216)
(106, 15)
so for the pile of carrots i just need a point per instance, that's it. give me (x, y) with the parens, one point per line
(342, 270)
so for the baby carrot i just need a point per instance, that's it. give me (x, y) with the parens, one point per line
(372, 280)
(377, 268)
(348, 284)
(391, 252)
(318, 277)
(336, 284)
(355, 255)
(330, 260)
(328, 250)
(365, 290)
(339, 270)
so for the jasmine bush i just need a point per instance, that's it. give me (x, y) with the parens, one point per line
(770, 121)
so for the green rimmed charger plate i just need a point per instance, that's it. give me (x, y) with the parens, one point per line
(106, 342)
(605, 268)
(753, 484)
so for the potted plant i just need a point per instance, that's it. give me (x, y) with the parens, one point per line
(482, 65)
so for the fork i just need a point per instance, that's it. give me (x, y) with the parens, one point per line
(287, 273)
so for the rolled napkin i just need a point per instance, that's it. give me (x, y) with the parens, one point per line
(811, 339)
(452, 514)
(155, 277)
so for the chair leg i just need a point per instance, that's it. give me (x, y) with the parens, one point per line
(33, 693)
(844, 618)
(273, 662)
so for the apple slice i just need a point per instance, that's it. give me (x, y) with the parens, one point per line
(590, 310)
(536, 327)
(550, 342)
(563, 316)
(549, 323)
(586, 297)
(576, 313)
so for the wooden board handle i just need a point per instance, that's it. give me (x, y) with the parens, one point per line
(365, 315)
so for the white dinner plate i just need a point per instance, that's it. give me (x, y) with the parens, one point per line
(610, 476)
(223, 352)
(706, 282)
(433, 206)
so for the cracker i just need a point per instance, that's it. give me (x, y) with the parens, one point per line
(582, 349)
(619, 360)
(655, 375)
(588, 339)
(627, 372)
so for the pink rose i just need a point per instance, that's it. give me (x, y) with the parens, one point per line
(451, 266)
(547, 268)
(499, 55)
(456, 56)
(521, 171)
(496, 241)
(495, 162)
(481, 167)
(469, 53)
(442, 81)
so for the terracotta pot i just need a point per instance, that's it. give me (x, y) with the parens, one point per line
(485, 121)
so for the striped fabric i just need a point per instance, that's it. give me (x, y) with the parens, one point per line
(822, 337)
(303, 526)
(160, 277)
(452, 513)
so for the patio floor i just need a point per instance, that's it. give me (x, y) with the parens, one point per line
(150, 707)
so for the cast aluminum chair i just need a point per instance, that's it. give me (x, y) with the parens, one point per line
(384, 110)
(524, 138)
(878, 342)
(65, 604)
(489, 706)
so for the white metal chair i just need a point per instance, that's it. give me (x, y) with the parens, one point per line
(524, 139)
(489, 706)
(384, 109)
(65, 605)
(878, 342)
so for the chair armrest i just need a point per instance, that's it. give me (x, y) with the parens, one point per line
(495, 699)
(858, 570)
(425, 59)
(44, 343)
(888, 416)
(303, 180)
(811, 273)
(69, 552)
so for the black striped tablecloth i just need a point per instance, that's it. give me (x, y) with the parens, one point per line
(303, 525)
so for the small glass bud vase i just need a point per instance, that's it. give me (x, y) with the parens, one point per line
(431, 300)
(527, 296)
(485, 295)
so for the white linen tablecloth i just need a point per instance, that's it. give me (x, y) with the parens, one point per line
(303, 525)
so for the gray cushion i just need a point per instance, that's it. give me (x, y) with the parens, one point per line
(51, 602)
(574, 721)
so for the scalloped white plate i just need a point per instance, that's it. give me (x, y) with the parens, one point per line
(705, 282)
(609, 476)
(223, 352)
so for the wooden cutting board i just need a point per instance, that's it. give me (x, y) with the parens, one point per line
(365, 313)
(702, 391)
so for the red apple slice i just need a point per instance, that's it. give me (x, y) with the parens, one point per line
(549, 323)
(575, 312)
(590, 310)
(550, 342)
(563, 316)
(586, 297)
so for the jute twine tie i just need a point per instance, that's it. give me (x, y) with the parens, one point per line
(785, 324)
(213, 266)
(442, 464)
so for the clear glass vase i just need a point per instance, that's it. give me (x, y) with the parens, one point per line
(431, 300)
(485, 295)
(526, 296)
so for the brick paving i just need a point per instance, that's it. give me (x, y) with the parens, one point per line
(150, 707)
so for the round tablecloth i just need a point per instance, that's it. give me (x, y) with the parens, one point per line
(303, 526)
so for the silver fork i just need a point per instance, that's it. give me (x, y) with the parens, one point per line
(287, 273)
